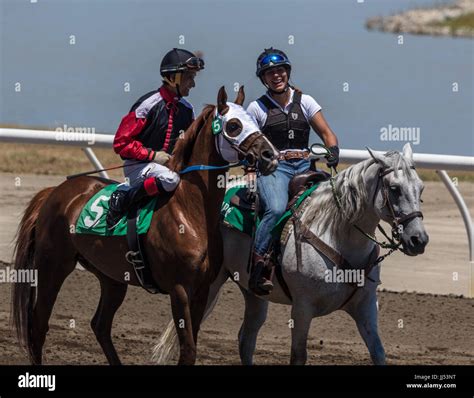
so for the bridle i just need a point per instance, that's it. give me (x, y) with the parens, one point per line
(243, 150)
(400, 218)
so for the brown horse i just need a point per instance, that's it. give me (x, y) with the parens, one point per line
(183, 245)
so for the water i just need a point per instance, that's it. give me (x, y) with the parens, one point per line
(122, 41)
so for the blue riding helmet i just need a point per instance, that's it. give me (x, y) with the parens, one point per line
(270, 58)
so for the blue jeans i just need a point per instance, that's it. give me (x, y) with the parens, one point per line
(273, 194)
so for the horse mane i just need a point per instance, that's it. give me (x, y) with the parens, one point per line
(399, 162)
(184, 147)
(322, 209)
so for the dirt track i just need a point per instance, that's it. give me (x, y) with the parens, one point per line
(436, 329)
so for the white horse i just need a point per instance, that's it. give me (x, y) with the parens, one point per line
(383, 187)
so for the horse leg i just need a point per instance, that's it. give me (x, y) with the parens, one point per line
(364, 313)
(167, 342)
(302, 315)
(180, 306)
(214, 291)
(51, 274)
(112, 294)
(198, 308)
(254, 317)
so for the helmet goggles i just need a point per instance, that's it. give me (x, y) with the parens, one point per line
(273, 59)
(191, 64)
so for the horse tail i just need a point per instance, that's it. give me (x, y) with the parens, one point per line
(167, 346)
(23, 294)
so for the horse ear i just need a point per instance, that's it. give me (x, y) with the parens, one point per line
(240, 96)
(377, 157)
(222, 106)
(407, 151)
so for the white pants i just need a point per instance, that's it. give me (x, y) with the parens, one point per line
(136, 173)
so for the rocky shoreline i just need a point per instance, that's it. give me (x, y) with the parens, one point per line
(427, 21)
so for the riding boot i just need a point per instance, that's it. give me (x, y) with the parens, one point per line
(120, 202)
(260, 275)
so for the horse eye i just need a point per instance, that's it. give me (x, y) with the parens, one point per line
(395, 188)
(233, 127)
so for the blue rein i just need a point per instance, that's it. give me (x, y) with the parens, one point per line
(200, 167)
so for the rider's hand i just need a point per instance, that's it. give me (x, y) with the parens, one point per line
(333, 158)
(161, 157)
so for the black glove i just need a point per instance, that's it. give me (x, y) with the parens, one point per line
(333, 158)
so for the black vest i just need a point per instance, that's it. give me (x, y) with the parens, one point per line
(154, 132)
(286, 131)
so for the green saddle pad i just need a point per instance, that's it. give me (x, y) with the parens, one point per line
(92, 217)
(243, 219)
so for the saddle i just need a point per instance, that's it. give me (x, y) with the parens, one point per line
(298, 184)
(301, 182)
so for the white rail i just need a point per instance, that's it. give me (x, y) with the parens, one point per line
(438, 162)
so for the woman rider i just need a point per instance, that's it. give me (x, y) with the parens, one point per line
(285, 116)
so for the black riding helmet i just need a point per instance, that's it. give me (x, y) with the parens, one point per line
(178, 61)
(271, 58)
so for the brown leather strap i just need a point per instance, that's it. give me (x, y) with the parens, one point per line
(249, 141)
(303, 232)
(371, 264)
(281, 280)
(334, 256)
(295, 198)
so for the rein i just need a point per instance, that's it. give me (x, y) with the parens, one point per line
(196, 167)
(200, 167)
(217, 129)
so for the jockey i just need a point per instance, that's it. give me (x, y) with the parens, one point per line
(148, 133)
(285, 116)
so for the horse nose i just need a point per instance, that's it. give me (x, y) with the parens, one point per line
(415, 240)
(268, 155)
(419, 240)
